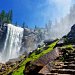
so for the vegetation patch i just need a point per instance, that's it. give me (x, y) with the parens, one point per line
(70, 47)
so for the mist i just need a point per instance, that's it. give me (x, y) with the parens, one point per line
(62, 26)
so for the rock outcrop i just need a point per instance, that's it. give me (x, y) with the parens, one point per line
(31, 40)
(71, 35)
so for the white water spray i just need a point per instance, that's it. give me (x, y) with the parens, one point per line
(12, 43)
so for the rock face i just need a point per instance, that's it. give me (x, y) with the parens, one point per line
(3, 32)
(71, 34)
(31, 39)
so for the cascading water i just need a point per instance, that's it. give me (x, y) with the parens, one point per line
(12, 44)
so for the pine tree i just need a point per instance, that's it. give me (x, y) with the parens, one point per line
(16, 24)
(23, 25)
(9, 16)
(5, 17)
(2, 16)
(36, 28)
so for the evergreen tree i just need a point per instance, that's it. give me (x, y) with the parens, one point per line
(9, 16)
(3, 14)
(5, 17)
(36, 28)
(16, 24)
(2, 17)
(8, 21)
(23, 25)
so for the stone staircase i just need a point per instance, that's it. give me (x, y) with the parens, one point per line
(64, 64)
(66, 67)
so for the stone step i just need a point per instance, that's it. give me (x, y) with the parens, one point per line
(72, 62)
(72, 54)
(67, 63)
(63, 74)
(51, 74)
(66, 67)
(55, 74)
(58, 62)
(60, 55)
(63, 71)
(70, 59)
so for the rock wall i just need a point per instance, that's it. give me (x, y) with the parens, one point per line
(71, 35)
(31, 39)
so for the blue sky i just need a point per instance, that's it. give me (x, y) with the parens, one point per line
(36, 12)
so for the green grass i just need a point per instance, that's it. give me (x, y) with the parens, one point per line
(33, 57)
(68, 46)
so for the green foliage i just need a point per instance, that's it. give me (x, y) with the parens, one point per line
(2, 14)
(5, 17)
(67, 46)
(38, 51)
(9, 17)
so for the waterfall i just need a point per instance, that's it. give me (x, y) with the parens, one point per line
(12, 43)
